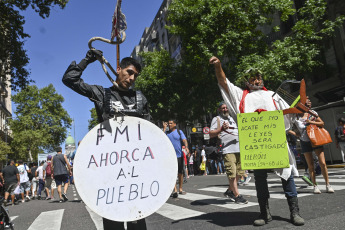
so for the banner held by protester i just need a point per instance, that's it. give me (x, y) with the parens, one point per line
(262, 139)
(125, 169)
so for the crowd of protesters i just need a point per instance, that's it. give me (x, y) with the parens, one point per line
(21, 182)
(214, 162)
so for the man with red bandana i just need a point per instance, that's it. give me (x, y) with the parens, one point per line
(256, 98)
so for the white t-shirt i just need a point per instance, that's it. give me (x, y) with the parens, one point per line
(40, 172)
(229, 141)
(191, 159)
(203, 155)
(23, 173)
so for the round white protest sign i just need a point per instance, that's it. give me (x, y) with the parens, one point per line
(125, 170)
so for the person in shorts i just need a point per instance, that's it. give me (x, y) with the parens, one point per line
(178, 139)
(47, 167)
(61, 170)
(11, 180)
(224, 127)
(302, 122)
(25, 185)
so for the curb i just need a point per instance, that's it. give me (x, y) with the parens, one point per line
(335, 166)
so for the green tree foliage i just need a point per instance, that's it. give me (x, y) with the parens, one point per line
(93, 121)
(41, 122)
(169, 90)
(13, 58)
(246, 33)
(5, 149)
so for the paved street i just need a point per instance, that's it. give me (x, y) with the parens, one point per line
(203, 207)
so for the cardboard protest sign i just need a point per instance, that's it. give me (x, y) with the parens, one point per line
(125, 170)
(262, 140)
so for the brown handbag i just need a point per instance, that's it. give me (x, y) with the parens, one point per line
(318, 136)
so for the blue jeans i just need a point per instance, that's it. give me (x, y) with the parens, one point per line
(220, 164)
(261, 186)
(41, 184)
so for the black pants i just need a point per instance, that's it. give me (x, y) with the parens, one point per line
(114, 225)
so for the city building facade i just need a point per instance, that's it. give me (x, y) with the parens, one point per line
(5, 108)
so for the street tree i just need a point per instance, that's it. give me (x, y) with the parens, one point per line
(93, 121)
(40, 122)
(283, 38)
(5, 150)
(170, 89)
(13, 57)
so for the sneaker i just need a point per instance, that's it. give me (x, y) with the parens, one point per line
(52, 198)
(23, 201)
(61, 201)
(27, 198)
(307, 180)
(64, 197)
(316, 190)
(246, 181)
(229, 194)
(240, 200)
(329, 189)
(48, 198)
(38, 197)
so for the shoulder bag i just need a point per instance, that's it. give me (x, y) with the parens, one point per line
(318, 136)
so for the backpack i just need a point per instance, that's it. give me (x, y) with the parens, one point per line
(49, 169)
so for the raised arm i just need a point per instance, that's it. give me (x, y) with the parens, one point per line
(72, 77)
(221, 77)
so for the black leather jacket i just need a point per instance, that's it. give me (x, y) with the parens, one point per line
(132, 103)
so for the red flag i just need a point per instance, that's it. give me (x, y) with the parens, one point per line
(119, 22)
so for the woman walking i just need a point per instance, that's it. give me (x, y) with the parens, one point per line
(302, 122)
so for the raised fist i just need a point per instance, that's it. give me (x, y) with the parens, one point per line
(92, 55)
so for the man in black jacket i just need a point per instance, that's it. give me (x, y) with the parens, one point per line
(118, 100)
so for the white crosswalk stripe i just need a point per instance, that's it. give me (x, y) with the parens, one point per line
(252, 192)
(332, 180)
(54, 217)
(301, 186)
(214, 200)
(175, 212)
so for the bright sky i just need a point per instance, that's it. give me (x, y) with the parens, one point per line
(63, 37)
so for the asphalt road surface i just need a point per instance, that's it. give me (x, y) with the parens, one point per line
(203, 207)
